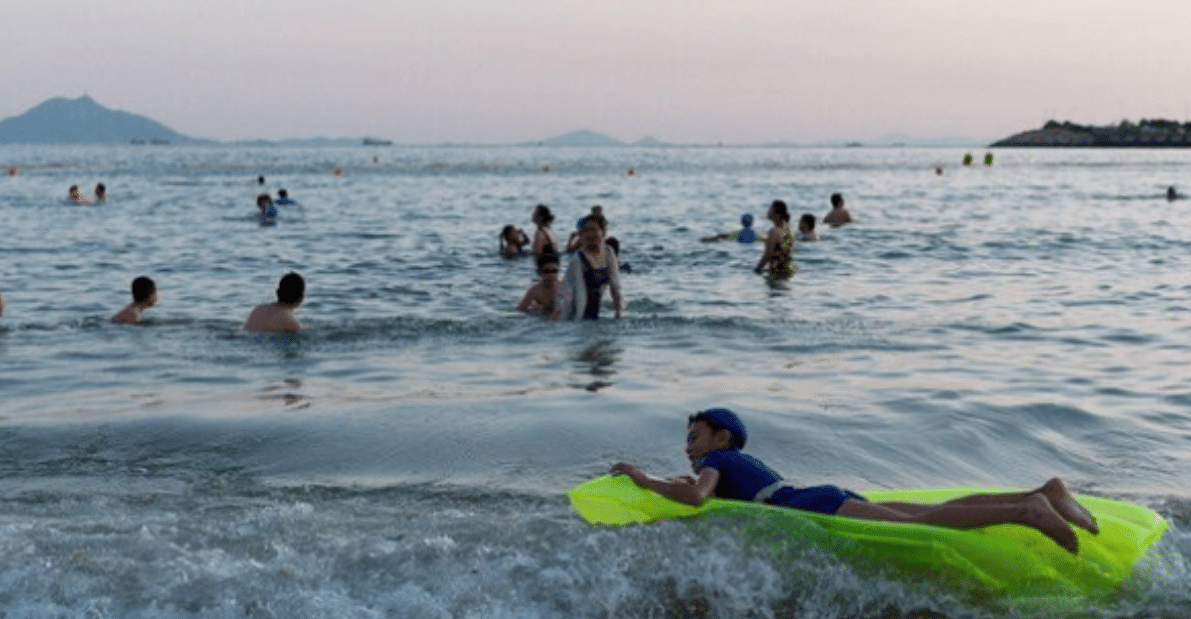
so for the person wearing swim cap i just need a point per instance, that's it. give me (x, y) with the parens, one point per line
(716, 436)
(746, 234)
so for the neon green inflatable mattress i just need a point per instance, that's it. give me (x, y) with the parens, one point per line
(1012, 558)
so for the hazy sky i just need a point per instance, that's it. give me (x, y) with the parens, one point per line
(680, 70)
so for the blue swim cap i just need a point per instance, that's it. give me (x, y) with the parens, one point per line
(746, 220)
(730, 422)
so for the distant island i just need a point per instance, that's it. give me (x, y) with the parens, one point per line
(1152, 133)
(83, 121)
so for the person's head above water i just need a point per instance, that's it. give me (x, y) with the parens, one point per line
(143, 289)
(542, 215)
(722, 419)
(746, 220)
(837, 200)
(806, 223)
(779, 209)
(291, 289)
(263, 200)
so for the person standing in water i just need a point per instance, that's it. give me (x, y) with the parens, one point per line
(779, 244)
(544, 239)
(589, 270)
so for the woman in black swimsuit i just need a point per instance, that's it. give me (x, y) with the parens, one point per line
(592, 268)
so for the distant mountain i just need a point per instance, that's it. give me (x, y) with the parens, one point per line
(581, 138)
(82, 120)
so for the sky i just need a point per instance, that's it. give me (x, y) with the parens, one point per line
(689, 71)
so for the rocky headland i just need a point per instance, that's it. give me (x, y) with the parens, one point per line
(1153, 133)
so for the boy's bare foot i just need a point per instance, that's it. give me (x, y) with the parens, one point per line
(1042, 516)
(1061, 500)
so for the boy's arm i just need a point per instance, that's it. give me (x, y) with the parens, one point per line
(681, 490)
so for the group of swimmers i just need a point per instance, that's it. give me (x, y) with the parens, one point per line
(74, 195)
(277, 316)
(268, 206)
(594, 263)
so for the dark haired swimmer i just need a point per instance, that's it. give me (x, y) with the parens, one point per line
(806, 228)
(512, 241)
(544, 239)
(716, 436)
(268, 211)
(589, 271)
(838, 215)
(144, 296)
(279, 316)
(779, 244)
(539, 299)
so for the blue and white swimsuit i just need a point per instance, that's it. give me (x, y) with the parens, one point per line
(745, 478)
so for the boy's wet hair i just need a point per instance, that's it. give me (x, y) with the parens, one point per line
(837, 199)
(291, 289)
(142, 289)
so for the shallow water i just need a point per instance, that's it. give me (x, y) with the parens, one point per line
(407, 455)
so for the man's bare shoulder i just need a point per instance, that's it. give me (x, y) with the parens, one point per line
(128, 315)
(272, 317)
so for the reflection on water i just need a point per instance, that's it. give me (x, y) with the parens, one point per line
(597, 359)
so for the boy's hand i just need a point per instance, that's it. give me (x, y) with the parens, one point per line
(634, 473)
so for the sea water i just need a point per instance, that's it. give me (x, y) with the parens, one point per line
(407, 454)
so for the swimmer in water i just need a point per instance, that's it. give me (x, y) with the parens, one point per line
(283, 198)
(1172, 194)
(838, 215)
(268, 212)
(778, 255)
(589, 271)
(144, 296)
(512, 241)
(75, 196)
(806, 228)
(14, 171)
(715, 437)
(744, 235)
(101, 193)
(573, 241)
(614, 243)
(539, 299)
(544, 239)
(280, 316)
